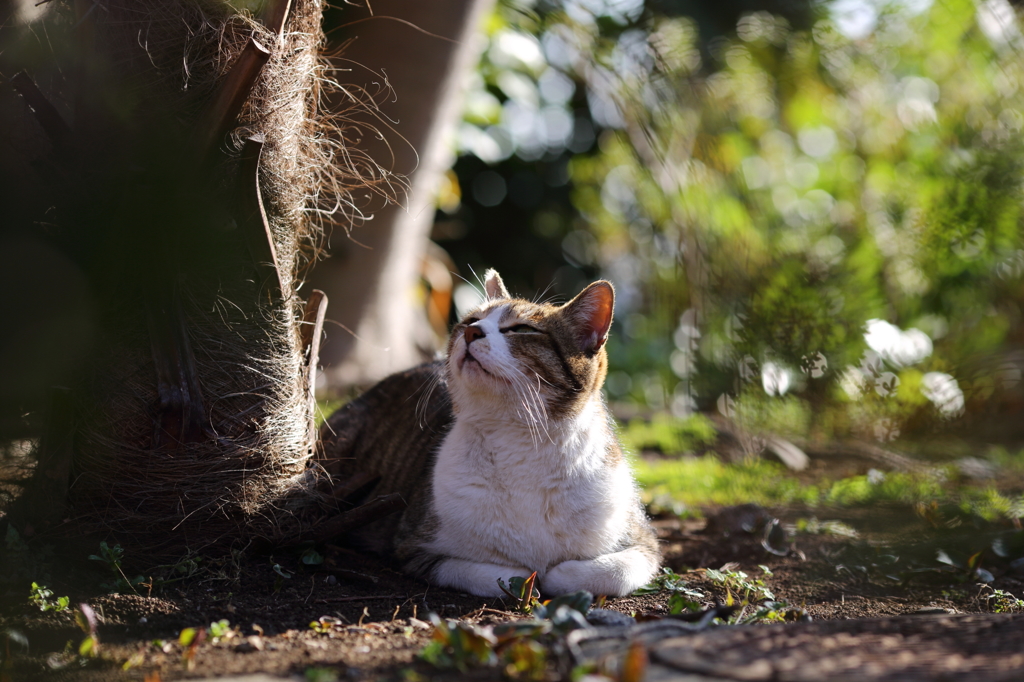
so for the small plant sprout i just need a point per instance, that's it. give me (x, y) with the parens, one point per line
(189, 639)
(459, 645)
(40, 596)
(324, 624)
(682, 598)
(522, 591)
(776, 612)
(221, 630)
(111, 557)
(738, 582)
(1002, 601)
(311, 557)
(519, 648)
(85, 617)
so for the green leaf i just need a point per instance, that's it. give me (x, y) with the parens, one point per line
(186, 636)
(89, 647)
(220, 628)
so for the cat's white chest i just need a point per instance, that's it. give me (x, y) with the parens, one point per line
(500, 497)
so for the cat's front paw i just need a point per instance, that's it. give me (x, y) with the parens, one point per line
(476, 577)
(613, 575)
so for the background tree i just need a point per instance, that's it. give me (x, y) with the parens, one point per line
(812, 220)
(418, 55)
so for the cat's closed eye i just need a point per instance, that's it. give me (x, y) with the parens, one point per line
(519, 329)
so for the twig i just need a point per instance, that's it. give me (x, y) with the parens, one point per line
(335, 600)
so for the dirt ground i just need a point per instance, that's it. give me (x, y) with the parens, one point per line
(373, 620)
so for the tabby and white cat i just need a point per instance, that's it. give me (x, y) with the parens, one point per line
(505, 455)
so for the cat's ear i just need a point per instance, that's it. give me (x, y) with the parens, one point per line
(494, 287)
(591, 315)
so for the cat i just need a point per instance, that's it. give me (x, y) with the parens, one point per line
(505, 454)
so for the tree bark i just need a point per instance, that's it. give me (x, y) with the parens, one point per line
(373, 278)
(170, 153)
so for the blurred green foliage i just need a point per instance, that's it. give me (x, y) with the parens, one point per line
(799, 222)
(668, 435)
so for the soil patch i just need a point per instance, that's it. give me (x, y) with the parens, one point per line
(371, 619)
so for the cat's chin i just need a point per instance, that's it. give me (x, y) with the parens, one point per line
(474, 376)
(469, 366)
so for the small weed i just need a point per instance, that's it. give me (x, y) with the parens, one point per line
(85, 617)
(738, 585)
(111, 557)
(682, 598)
(523, 591)
(189, 640)
(517, 647)
(40, 596)
(666, 580)
(738, 582)
(459, 645)
(324, 624)
(776, 612)
(311, 557)
(1004, 602)
(221, 630)
(524, 659)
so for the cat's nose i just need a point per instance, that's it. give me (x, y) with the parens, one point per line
(473, 332)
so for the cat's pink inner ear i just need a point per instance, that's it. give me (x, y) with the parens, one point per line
(494, 287)
(592, 310)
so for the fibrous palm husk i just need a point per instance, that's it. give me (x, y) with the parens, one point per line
(190, 183)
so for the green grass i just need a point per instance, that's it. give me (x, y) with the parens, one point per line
(668, 434)
(707, 481)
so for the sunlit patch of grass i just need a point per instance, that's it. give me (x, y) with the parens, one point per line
(668, 434)
(707, 481)
(892, 487)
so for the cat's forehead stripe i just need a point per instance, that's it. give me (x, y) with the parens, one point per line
(493, 310)
(507, 310)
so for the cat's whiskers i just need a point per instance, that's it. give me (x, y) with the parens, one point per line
(534, 413)
(424, 400)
